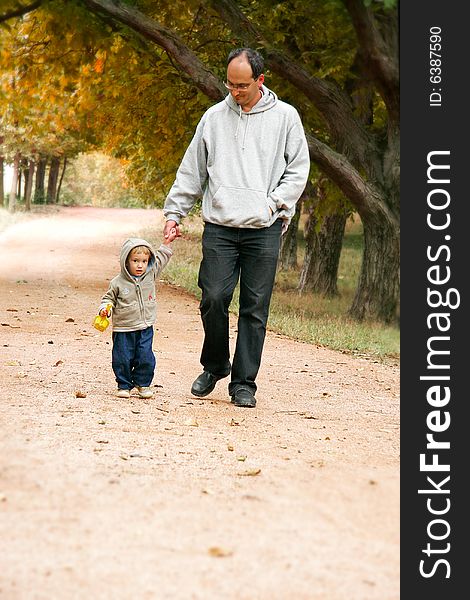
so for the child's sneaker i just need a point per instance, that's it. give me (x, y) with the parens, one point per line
(144, 392)
(123, 393)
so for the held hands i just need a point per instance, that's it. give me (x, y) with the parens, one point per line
(171, 231)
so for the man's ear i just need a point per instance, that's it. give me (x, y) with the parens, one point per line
(261, 80)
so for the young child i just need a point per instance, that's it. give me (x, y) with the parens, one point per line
(131, 295)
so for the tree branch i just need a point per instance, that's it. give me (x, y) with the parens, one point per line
(379, 52)
(20, 11)
(331, 102)
(365, 197)
(202, 77)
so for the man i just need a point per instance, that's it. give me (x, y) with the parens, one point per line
(249, 162)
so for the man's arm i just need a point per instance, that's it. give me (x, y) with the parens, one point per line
(190, 180)
(295, 176)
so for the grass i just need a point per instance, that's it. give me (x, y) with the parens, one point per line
(308, 317)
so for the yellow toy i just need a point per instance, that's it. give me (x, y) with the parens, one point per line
(101, 323)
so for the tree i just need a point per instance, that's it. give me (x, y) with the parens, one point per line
(38, 115)
(362, 162)
(360, 156)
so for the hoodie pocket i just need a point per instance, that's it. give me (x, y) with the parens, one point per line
(126, 315)
(239, 207)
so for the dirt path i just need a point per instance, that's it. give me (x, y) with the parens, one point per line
(133, 499)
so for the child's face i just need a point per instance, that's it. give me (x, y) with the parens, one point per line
(137, 263)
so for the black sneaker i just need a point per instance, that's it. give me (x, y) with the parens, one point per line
(243, 398)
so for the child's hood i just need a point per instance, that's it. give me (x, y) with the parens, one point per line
(127, 246)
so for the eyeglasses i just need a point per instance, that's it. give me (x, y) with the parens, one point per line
(238, 86)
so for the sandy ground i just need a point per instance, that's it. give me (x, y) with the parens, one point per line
(179, 497)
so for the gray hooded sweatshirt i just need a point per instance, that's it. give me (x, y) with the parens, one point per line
(249, 168)
(133, 299)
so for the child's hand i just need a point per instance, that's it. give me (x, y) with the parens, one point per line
(171, 231)
(105, 312)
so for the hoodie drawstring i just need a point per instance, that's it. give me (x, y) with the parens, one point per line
(246, 130)
(246, 127)
(239, 121)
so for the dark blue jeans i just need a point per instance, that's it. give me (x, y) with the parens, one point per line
(133, 359)
(230, 254)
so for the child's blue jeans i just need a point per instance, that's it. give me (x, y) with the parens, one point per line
(133, 359)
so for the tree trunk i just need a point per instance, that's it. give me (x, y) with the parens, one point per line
(14, 183)
(2, 175)
(322, 253)
(39, 193)
(29, 185)
(288, 251)
(52, 180)
(64, 166)
(20, 174)
(377, 294)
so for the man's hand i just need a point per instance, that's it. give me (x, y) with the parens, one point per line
(171, 231)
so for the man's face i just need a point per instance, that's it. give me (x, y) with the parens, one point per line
(239, 71)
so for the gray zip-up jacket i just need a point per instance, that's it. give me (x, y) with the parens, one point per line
(133, 299)
(249, 168)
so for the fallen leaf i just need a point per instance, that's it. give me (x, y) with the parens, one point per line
(241, 458)
(230, 448)
(249, 473)
(233, 423)
(191, 422)
(70, 320)
(80, 394)
(218, 552)
(59, 362)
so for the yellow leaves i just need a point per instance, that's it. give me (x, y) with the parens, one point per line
(117, 45)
